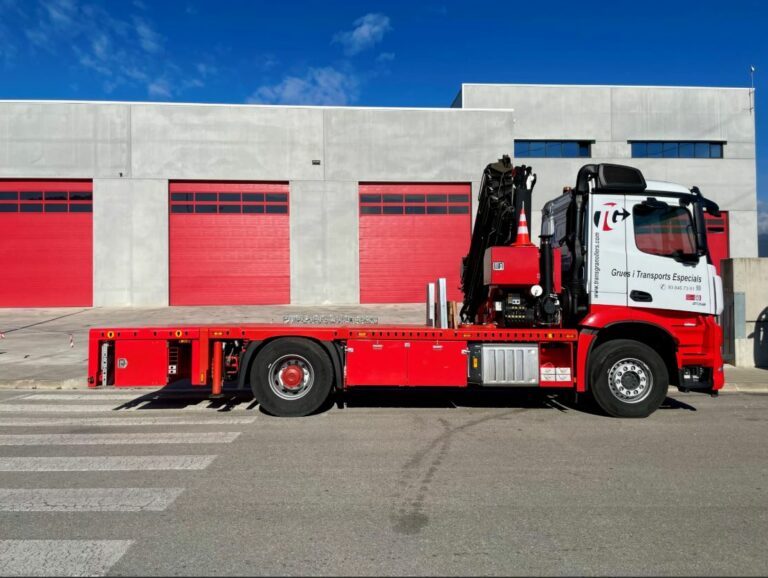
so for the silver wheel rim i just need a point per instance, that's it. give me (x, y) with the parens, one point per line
(291, 377)
(630, 380)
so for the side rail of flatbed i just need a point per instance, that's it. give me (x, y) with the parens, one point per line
(286, 361)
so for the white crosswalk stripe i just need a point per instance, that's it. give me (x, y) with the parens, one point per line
(104, 463)
(223, 437)
(60, 557)
(122, 421)
(87, 499)
(77, 411)
(117, 407)
(91, 396)
(62, 408)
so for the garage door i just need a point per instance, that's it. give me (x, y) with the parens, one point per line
(411, 234)
(46, 248)
(717, 239)
(229, 244)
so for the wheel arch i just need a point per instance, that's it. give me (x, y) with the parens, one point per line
(332, 349)
(650, 334)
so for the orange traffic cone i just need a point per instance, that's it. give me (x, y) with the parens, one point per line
(523, 237)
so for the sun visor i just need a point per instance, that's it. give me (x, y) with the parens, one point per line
(619, 178)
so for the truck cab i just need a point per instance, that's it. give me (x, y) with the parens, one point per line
(636, 266)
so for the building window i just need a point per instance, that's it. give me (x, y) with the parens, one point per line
(676, 150)
(554, 149)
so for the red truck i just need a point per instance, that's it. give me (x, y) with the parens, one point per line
(620, 300)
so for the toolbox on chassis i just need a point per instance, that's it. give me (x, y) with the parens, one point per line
(619, 300)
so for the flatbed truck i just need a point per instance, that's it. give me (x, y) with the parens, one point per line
(620, 300)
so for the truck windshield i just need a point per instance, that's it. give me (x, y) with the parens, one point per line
(664, 231)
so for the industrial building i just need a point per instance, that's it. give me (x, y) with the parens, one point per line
(150, 204)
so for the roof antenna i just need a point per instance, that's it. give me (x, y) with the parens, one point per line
(752, 89)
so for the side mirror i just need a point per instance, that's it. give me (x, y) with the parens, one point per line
(685, 258)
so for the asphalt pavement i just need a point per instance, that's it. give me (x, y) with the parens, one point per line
(518, 483)
(143, 481)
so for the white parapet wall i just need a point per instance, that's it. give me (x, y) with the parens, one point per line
(745, 319)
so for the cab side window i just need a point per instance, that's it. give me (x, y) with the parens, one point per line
(664, 231)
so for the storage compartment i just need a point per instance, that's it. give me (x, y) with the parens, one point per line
(376, 362)
(437, 363)
(406, 363)
(141, 363)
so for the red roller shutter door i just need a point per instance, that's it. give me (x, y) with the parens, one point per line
(717, 238)
(229, 244)
(411, 234)
(46, 243)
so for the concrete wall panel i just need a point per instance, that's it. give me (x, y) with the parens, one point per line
(324, 243)
(63, 140)
(227, 142)
(130, 242)
(742, 237)
(548, 112)
(651, 113)
(414, 145)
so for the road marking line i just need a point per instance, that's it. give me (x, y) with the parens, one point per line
(22, 396)
(105, 463)
(63, 408)
(151, 405)
(85, 396)
(60, 557)
(96, 439)
(87, 499)
(121, 421)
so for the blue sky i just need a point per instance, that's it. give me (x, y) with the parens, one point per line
(414, 53)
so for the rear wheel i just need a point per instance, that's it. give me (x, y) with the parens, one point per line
(291, 377)
(628, 378)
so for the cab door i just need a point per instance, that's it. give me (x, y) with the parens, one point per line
(664, 270)
(606, 254)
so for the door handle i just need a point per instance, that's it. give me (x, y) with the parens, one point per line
(640, 296)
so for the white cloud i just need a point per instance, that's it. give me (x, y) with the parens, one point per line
(385, 57)
(319, 86)
(123, 51)
(61, 12)
(368, 31)
(160, 88)
(205, 69)
(267, 61)
(150, 40)
(100, 45)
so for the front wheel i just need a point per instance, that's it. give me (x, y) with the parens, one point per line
(628, 378)
(291, 377)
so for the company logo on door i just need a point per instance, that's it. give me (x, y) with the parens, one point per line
(609, 216)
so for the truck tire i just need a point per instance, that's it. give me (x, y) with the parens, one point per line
(291, 377)
(628, 378)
